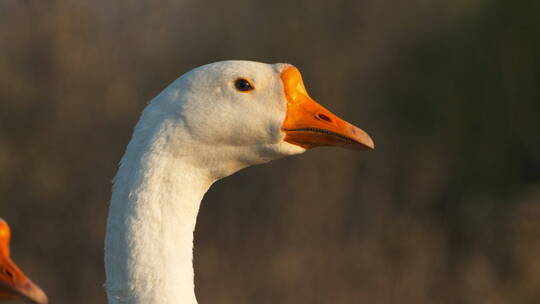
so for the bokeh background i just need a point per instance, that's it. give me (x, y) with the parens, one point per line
(445, 210)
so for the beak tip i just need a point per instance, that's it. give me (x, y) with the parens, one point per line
(371, 145)
(39, 297)
(32, 293)
(367, 143)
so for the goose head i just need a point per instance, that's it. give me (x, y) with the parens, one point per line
(206, 125)
(13, 283)
(232, 114)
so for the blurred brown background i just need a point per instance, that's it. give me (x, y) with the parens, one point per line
(445, 210)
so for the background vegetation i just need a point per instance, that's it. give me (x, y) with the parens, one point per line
(445, 210)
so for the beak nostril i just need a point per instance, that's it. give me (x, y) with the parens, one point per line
(323, 117)
(9, 274)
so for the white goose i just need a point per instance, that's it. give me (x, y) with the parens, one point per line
(13, 283)
(208, 124)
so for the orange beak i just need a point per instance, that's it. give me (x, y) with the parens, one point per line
(309, 125)
(13, 283)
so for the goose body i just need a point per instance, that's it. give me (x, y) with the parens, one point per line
(208, 124)
(13, 283)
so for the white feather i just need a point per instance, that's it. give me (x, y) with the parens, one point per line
(198, 130)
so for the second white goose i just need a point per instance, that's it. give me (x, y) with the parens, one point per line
(14, 284)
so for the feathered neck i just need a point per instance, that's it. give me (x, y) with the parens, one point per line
(153, 212)
(184, 141)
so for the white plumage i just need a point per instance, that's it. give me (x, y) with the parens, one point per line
(199, 129)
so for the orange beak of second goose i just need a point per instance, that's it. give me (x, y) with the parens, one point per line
(308, 124)
(13, 283)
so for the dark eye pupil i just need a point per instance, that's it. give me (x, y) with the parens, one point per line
(243, 85)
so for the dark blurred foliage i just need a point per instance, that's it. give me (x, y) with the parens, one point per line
(445, 210)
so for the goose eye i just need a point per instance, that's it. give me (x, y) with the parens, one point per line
(243, 85)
